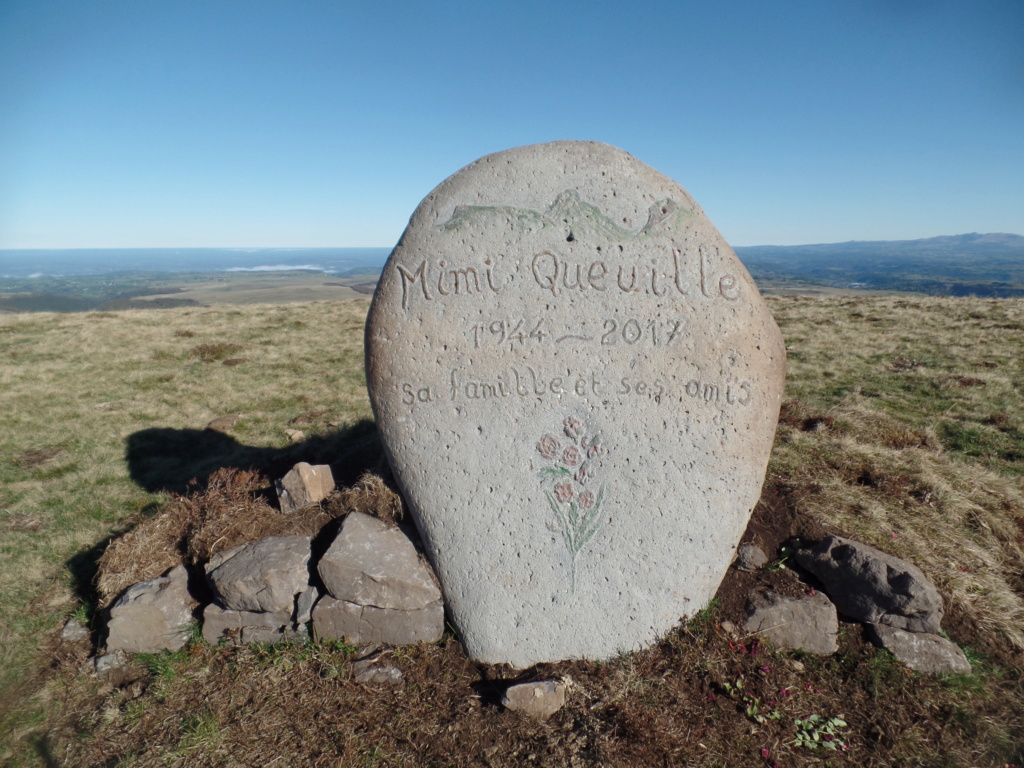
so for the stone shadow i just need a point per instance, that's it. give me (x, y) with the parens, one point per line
(180, 460)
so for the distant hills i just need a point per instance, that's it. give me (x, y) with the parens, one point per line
(990, 265)
(955, 265)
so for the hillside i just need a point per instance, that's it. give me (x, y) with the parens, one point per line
(958, 265)
(903, 427)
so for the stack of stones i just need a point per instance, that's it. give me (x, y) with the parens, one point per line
(262, 591)
(379, 590)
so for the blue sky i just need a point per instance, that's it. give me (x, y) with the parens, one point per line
(166, 123)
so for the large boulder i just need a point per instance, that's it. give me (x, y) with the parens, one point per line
(808, 623)
(263, 576)
(577, 384)
(152, 616)
(868, 585)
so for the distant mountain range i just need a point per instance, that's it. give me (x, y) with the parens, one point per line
(955, 265)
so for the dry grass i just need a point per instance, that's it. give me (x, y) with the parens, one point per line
(903, 427)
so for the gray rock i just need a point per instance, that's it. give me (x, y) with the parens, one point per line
(304, 605)
(577, 386)
(305, 484)
(798, 624)
(921, 651)
(538, 700)
(373, 563)
(219, 622)
(224, 423)
(109, 662)
(370, 672)
(750, 557)
(153, 615)
(73, 631)
(870, 586)
(263, 576)
(358, 624)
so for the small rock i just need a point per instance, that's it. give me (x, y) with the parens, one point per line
(223, 423)
(871, 586)
(728, 627)
(372, 563)
(304, 484)
(152, 615)
(920, 651)
(797, 666)
(304, 605)
(359, 624)
(295, 435)
(369, 672)
(264, 576)
(750, 557)
(538, 700)
(73, 631)
(800, 624)
(109, 662)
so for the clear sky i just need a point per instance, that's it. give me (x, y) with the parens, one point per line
(165, 123)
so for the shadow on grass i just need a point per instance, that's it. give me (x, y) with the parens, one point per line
(181, 460)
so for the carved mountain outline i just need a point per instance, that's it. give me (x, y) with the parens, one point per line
(581, 220)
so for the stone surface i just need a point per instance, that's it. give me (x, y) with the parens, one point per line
(539, 700)
(263, 576)
(358, 624)
(152, 616)
(304, 605)
(109, 662)
(304, 484)
(373, 563)
(750, 557)
(870, 586)
(220, 622)
(806, 623)
(577, 386)
(370, 672)
(73, 631)
(921, 651)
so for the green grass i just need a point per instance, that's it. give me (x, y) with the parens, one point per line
(903, 426)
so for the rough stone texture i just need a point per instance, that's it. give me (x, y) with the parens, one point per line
(304, 484)
(373, 563)
(370, 672)
(357, 624)
(750, 557)
(152, 615)
(73, 632)
(539, 700)
(108, 663)
(870, 586)
(798, 624)
(304, 605)
(577, 385)
(921, 651)
(263, 576)
(219, 622)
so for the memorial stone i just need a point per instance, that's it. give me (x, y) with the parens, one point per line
(577, 386)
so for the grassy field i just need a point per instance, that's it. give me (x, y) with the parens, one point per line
(903, 426)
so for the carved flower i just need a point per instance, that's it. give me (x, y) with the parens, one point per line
(592, 448)
(573, 428)
(563, 492)
(571, 456)
(587, 499)
(584, 474)
(548, 447)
